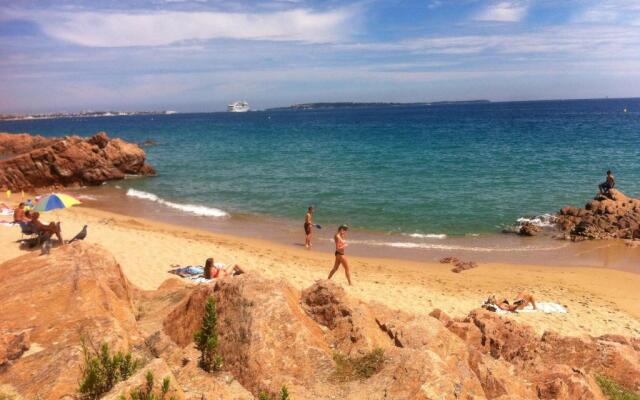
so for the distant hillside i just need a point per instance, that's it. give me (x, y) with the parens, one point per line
(318, 106)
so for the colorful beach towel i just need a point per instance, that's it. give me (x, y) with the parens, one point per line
(195, 273)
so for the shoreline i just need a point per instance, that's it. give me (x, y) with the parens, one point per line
(492, 248)
(147, 249)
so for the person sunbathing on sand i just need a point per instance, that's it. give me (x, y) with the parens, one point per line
(53, 228)
(523, 299)
(213, 272)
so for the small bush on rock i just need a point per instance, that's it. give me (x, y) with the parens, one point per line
(614, 391)
(146, 392)
(102, 370)
(284, 394)
(352, 368)
(207, 339)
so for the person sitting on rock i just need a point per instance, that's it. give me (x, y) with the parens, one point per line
(53, 228)
(608, 184)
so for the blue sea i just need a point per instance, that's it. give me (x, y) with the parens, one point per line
(420, 171)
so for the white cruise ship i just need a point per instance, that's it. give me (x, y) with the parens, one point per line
(238, 106)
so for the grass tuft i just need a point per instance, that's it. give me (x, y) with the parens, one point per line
(353, 368)
(614, 391)
(103, 369)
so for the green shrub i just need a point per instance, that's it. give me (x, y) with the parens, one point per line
(264, 396)
(102, 370)
(207, 339)
(284, 394)
(146, 392)
(614, 391)
(363, 367)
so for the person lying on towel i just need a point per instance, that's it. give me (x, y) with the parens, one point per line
(211, 271)
(523, 299)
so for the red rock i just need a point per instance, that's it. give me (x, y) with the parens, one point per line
(68, 161)
(529, 229)
(78, 290)
(12, 346)
(602, 218)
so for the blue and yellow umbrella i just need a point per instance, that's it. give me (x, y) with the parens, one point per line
(54, 201)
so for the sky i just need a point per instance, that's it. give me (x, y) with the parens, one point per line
(200, 55)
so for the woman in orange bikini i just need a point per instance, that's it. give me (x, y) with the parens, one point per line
(340, 257)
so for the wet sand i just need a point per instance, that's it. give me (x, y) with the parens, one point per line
(599, 300)
(494, 248)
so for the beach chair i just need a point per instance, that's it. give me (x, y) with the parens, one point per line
(27, 230)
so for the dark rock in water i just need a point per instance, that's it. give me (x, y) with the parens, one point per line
(68, 161)
(529, 229)
(611, 216)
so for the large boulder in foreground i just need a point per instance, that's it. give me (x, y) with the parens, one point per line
(34, 162)
(612, 216)
(77, 291)
(272, 335)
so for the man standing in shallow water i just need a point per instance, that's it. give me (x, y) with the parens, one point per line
(308, 226)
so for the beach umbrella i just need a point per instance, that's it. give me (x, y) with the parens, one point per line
(54, 201)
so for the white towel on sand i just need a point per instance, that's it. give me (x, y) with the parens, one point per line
(547, 308)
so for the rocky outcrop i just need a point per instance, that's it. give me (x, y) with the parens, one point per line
(560, 367)
(35, 162)
(160, 371)
(271, 334)
(12, 346)
(50, 304)
(12, 144)
(605, 217)
(529, 229)
(78, 291)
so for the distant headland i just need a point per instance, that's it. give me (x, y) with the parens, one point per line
(81, 114)
(329, 105)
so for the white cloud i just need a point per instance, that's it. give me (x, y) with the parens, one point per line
(582, 42)
(609, 12)
(503, 12)
(121, 29)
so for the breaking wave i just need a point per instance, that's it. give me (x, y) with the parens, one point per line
(427, 235)
(188, 208)
(451, 247)
(544, 220)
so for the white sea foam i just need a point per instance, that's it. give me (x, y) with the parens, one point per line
(544, 220)
(427, 235)
(188, 208)
(451, 247)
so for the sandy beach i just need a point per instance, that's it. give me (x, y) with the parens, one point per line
(599, 301)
